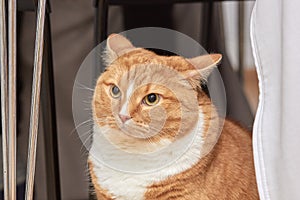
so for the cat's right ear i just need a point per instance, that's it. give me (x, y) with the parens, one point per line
(116, 45)
(204, 65)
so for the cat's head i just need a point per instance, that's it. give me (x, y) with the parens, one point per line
(143, 101)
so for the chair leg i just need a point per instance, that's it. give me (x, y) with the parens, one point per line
(213, 41)
(49, 119)
(101, 21)
(237, 104)
(12, 97)
(206, 28)
(4, 97)
(241, 19)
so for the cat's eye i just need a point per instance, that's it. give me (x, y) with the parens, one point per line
(151, 99)
(115, 91)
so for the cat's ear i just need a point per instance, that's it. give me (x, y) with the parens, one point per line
(116, 45)
(204, 65)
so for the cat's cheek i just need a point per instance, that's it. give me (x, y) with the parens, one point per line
(140, 116)
(101, 103)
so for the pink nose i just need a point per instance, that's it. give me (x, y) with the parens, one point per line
(124, 118)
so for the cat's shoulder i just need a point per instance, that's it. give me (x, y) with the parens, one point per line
(235, 129)
(235, 139)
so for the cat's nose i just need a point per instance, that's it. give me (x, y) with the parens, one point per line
(124, 118)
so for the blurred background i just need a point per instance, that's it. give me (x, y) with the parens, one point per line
(220, 26)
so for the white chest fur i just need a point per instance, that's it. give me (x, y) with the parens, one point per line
(129, 186)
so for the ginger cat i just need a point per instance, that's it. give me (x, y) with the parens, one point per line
(125, 105)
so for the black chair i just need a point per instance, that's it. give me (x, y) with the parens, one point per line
(212, 38)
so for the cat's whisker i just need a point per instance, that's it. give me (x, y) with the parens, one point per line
(84, 143)
(84, 153)
(150, 140)
(87, 102)
(90, 131)
(140, 130)
(100, 119)
(99, 54)
(84, 134)
(81, 86)
(140, 127)
(88, 99)
(87, 122)
(152, 128)
(146, 130)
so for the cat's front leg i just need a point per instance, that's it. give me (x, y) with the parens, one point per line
(100, 193)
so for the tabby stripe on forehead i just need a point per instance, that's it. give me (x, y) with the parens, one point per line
(131, 74)
(147, 88)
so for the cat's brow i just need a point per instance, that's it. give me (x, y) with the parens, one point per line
(107, 82)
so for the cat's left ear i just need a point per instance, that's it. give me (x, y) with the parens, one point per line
(204, 65)
(116, 45)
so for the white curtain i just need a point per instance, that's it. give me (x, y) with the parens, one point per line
(275, 37)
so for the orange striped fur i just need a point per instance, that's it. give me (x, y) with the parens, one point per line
(223, 171)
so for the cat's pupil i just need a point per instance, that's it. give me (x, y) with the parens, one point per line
(115, 90)
(151, 98)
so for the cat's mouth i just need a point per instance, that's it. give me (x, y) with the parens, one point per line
(131, 141)
(136, 130)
